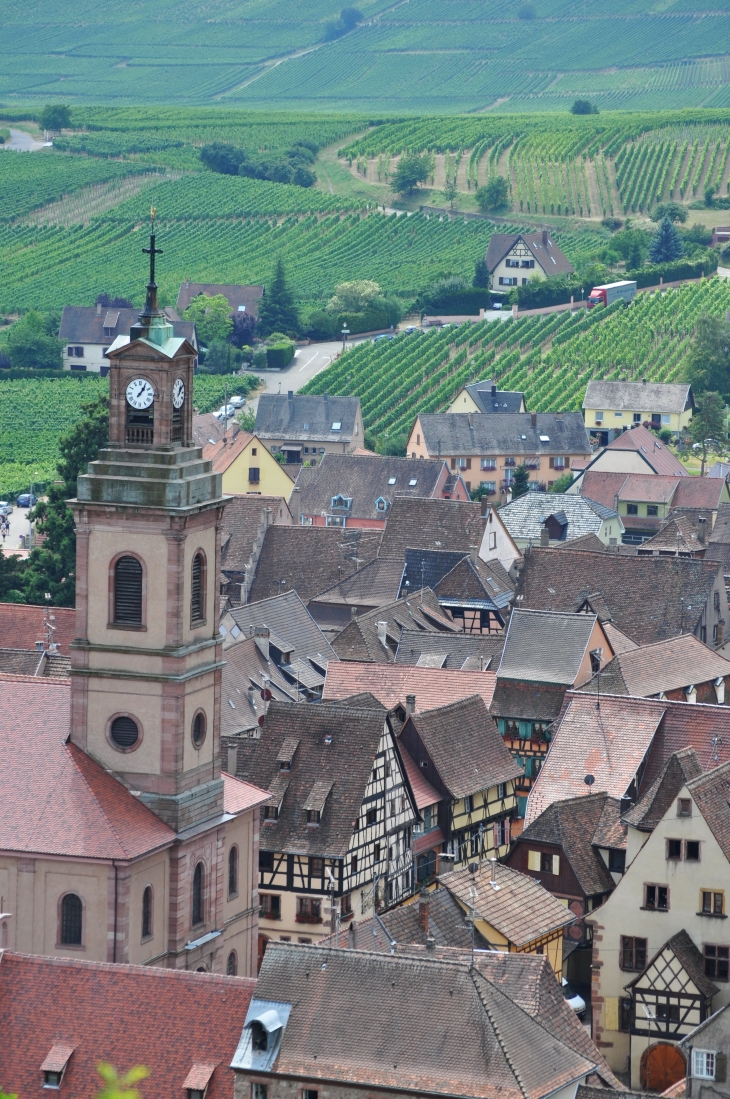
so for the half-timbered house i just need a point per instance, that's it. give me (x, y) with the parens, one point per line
(471, 777)
(336, 832)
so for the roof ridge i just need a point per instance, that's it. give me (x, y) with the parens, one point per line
(116, 967)
(95, 797)
(496, 1029)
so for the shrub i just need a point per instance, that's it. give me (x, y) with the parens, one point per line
(583, 106)
(411, 171)
(279, 355)
(494, 195)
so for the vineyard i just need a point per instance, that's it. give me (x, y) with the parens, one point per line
(35, 413)
(29, 182)
(550, 358)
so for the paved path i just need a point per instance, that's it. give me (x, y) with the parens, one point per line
(306, 364)
(22, 142)
(18, 525)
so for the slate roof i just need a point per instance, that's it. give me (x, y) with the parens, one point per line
(545, 647)
(572, 825)
(678, 770)
(721, 527)
(478, 584)
(461, 1050)
(82, 324)
(433, 687)
(243, 517)
(527, 701)
(719, 469)
(420, 611)
(521, 909)
(346, 761)
(446, 926)
(489, 399)
(609, 743)
(310, 560)
(189, 1018)
(464, 745)
(21, 625)
(464, 433)
(306, 418)
(647, 598)
(590, 542)
(245, 667)
(525, 516)
(375, 584)
(288, 619)
(450, 651)
(432, 524)
(249, 296)
(543, 248)
(664, 666)
(638, 396)
(365, 480)
(692, 962)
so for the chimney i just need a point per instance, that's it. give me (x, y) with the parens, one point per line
(232, 761)
(473, 551)
(295, 503)
(250, 697)
(382, 627)
(544, 238)
(471, 419)
(423, 905)
(410, 705)
(352, 936)
(494, 389)
(262, 634)
(533, 419)
(353, 613)
(701, 529)
(290, 394)
(544, 535)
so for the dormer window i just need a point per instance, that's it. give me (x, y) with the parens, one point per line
(271, 812)
(340, 501)
(259, 1037)
(314, 805)
(197, 1080)
(52, 1079)
(54, 1066)
(381, 504)
(313, 816)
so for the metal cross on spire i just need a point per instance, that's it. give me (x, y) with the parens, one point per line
(152, 251)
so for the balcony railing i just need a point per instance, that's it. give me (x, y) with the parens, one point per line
(140, 436)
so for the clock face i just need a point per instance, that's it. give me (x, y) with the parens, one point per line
(178, 393)
(140, 393)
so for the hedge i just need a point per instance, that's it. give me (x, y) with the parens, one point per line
(279, 355)
(466, 302)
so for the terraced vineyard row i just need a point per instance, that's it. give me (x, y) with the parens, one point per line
(27, 182)
(550, 358)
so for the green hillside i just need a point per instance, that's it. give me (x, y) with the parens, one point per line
(409, 57)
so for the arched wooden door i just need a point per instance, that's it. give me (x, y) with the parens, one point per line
(661, 1066)
(263, 943)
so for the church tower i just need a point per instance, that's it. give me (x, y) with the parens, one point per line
(147, 659)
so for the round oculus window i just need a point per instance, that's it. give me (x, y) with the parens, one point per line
(198, 729)
(124, 732)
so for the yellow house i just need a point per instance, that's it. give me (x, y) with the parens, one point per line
(610, 407)
(247, 466)
(512, 911)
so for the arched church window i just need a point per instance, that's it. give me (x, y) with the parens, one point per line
(232, 964)
(198, 884)
(128, 591)
(71, 920)
(197, 593)
(233, 872)
(147, 912)
(124, 732)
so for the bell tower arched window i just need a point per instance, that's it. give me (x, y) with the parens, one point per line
(198, 884)
(197, 589)
(128, 591)
(233, 872)
(147, 912)
(71, 920)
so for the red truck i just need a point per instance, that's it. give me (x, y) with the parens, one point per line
(611, 292)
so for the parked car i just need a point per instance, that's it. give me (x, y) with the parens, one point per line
(573, 999)
(496, 305)
(223, 411)
(238, 402)
(383, 336)
(5, 508)
(410, 329)
(26, 500)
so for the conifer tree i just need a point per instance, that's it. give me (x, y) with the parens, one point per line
(666, 244)
(520, 485)
(277, 311)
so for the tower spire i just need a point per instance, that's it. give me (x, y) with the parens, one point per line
(152, 323)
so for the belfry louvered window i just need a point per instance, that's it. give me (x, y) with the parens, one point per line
(128, 591)
(197, 591)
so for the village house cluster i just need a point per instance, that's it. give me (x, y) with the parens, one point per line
(346, 783)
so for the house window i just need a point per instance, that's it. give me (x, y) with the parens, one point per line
(314, 816)
(633, 953)
(558, 463)
(372, 816)
(259, 1091)
(632, 509)
(71, 920)
(335, 521)
(270, 906)
(353, 864)
(527, 263)
(617, 861)
(376, 852)
(232, 964)
(266, 860)
(52, 1079)
(488, 463)
(547, 863)
(147, 913)
(510, 462)
(310, 1093)
(656, 897)
(469, 803)
(703, 1064)
(346, 905)
(463, 463)
(667, 1013)
(674, 849)
(233, 872)
(197, 589)
(716, 962)
(316, 868)
(271, 812)
(652, 510)
(684, 807)
(713, 904)
(692, 851)
(490, 487)
(309, 910)
(507, 281)
(254, 475)
(512, 263)
(666, 418)
(600, 417)
(128, 591)
(501, 789)
(198, 884)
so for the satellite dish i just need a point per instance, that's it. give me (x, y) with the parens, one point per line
(266, 694)
(589, 780)
(261, 720)
(473, 867)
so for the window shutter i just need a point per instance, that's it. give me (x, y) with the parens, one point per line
(551, 463)
(567, 462)
(556, 864)
(533, 860)
(720, 1068)
(453, 463)
(468, 463)
(128, 591)
(610, 1013)
(507, 831)
(196, 602)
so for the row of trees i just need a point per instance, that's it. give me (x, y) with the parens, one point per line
(293, 165)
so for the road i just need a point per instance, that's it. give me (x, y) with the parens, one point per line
(22, 142)
(18, 525)
(306, 364)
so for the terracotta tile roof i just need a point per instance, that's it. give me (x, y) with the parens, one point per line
(420, 610)
(364, 480)
(602, 487)
(620, 643)
(609, 743)
(423, 791)
(521, 909)
(472, 1039)
(34, 663)
(678, 535)
(573, 825)
(207, 428)
(686, 725)
(678, 770)
(310, 560)
(451, 651)
(464, 745)
(545, 646)
(57, 799)
(664, 666)
(699, 492)
(589, 542)
(239, 795)
(21, 625)
(433, 687)
(224, 453)
(658, 457)
(432, 524)
(653, 490)
(647, 598)
(188, 1018)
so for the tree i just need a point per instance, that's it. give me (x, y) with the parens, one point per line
(223, 158)
(481, 274)
(450, 192)
(583, 106)
(51, 567)
(244, 327)
(114, 303)
(666, 244)
(411, 171)
(632, 245)
(222, 358)
(493, 195)
(277, 311)
(563, 483)
(54, 116)
(121, 1087)
(32, 342)
(672, 210)
(520, 484)
(710, 196)
(708, 363)
(353, 297)
(212, 317)
(349, 18)
(708, 424)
